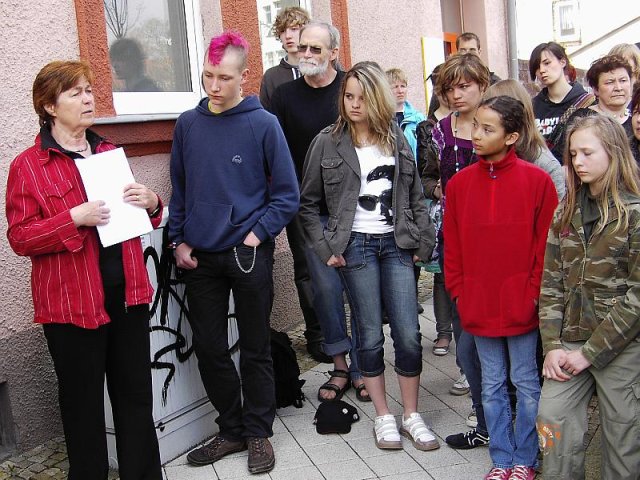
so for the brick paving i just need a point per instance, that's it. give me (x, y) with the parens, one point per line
(332, 457)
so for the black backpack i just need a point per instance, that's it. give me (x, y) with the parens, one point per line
(286, 371)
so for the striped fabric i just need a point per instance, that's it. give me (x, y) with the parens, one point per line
(66, 284)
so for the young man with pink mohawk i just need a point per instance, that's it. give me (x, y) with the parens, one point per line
(234, 189)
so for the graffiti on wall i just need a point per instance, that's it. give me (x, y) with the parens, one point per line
(170, 290)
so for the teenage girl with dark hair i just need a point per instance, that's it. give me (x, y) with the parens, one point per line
(558, 98)
(462, 80)
(495, 224)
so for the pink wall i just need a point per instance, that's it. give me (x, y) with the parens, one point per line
(488, 19)
(497, 37)
(33, 33)
(391, 36)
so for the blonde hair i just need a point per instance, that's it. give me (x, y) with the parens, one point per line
(628, 51)
(396, 75)
(621, 175)
(380, 106)
(530, 144)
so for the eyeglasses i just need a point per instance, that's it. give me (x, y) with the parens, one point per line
(314, 50)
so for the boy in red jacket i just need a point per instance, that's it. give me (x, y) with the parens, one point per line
(497, 216)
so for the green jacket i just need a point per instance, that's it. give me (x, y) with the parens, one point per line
(332, 175)
(591, 292)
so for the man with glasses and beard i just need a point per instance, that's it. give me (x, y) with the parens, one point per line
(304, 107)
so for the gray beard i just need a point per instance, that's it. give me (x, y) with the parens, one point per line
(311, 70)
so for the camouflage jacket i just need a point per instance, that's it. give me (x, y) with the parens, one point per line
(591, 291)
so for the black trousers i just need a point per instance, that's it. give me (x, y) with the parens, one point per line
(297, 245)
(208, 287)
(82, 358)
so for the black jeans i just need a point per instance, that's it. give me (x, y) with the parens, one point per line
(302, 279)
(81, 358)
(208, 287)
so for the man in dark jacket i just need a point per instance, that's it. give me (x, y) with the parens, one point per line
(304, 107)
(233, 192)
(287, 28)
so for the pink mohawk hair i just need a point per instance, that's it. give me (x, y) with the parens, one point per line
(219, 45)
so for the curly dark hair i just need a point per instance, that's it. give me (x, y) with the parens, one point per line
(606, 64)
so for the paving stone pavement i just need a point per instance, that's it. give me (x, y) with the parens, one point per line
(302, 454)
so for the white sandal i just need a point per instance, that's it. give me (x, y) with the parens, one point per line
(415, 430)
(386, 433)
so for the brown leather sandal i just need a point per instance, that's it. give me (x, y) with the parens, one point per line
(359, 395)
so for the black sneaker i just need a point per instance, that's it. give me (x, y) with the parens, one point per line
(214, 451)
(315, 351)
(261, 456)
(467, 440)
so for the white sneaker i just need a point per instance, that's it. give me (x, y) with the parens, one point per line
(472, 419)
(386, 433)
(460, 386)
(415, 430)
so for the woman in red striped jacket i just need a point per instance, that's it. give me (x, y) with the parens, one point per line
(92, 301)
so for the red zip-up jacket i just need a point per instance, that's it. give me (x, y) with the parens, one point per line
(495, 229)
(66, 283)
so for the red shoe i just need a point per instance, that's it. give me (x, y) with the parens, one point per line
(498, 474)
(520, 472)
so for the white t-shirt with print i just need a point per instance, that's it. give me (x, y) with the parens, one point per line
(373, 212)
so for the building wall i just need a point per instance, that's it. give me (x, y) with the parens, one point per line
(395, 42)
(488, 20)
(33, 33)
(496, 46)
(595, 20)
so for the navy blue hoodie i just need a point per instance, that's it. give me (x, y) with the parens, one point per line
(231, 174)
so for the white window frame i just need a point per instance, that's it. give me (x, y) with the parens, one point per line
(306, 4)
(170, 103)
(557, 26)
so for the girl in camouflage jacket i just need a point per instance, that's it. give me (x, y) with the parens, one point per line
(590, 305)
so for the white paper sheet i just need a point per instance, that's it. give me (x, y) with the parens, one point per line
(104, 176)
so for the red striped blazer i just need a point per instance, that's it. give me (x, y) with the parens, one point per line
(66, 284)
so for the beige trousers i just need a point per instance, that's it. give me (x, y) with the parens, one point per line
(562, 419)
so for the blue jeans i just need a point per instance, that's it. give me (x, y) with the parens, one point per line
(509, 447)
(377, 272)
(467, 355)
(328, 303)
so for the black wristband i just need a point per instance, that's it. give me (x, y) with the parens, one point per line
(155, 212)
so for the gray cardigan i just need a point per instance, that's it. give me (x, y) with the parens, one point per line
(547, 162)
(332, 174)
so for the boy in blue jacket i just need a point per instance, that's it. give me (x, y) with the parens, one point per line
(234, 189)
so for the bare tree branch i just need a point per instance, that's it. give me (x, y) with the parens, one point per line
(117, 16)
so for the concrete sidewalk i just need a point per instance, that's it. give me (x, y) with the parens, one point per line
(302, 454)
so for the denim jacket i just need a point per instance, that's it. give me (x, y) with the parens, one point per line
(332, 174)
